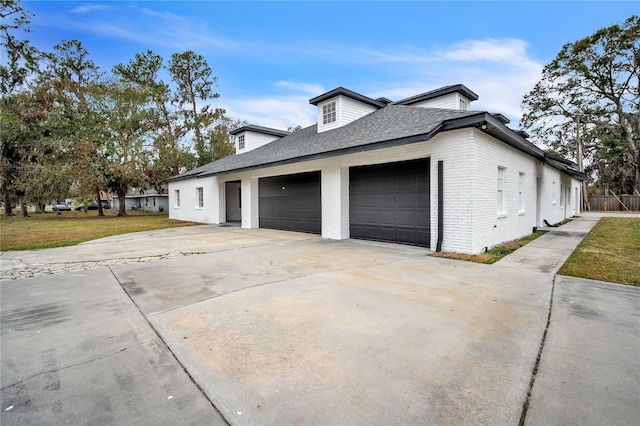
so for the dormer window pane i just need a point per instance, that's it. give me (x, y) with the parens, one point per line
(241, 142)
(329, 113)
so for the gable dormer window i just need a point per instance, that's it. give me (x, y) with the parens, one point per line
(464, 105)
(329, 113)
(241, 142)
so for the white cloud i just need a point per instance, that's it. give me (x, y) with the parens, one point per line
(89, 8)
(307, 88)
(491, 50)
(277, 112)
(280, 111)
(501, 72)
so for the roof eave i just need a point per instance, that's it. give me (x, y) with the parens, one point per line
(348, 93)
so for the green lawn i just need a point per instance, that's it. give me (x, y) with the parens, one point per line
(68, 228)
(493, 255)
(611, 252)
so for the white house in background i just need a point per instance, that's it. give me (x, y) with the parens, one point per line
(150, 201)
(425, 171)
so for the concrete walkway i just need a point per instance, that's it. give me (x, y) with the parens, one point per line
(210, 325)
(589, 367)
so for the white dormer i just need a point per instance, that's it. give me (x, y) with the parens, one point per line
(342, 106)
(449, 97)
(247, 138)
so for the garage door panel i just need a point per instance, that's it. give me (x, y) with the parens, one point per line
(290, 202)
(387, 200)
(406, 184)
(391, 202)
(423, 203)
(422, 221)
(406, 201)
(406, 219)
(387, 218)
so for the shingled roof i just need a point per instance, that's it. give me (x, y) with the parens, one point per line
(390, 126)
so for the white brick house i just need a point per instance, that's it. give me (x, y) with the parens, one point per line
(425, 170)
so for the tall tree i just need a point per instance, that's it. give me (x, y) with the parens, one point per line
(19, 61)
(195, 83)
(171, 154)
(77, 80)
(128, 121)
(592, 87)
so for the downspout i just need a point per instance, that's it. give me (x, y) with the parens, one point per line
(440, 205)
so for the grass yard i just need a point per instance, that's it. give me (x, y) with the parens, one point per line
(611, 252)
(46, 230)
(493, 255)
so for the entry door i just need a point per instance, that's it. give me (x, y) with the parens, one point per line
(390, 202)
(291, 202)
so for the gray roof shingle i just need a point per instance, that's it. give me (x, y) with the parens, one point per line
(393, 123)
(389, 126)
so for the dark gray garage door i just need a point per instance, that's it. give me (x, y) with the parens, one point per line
(390, 202)
(291, 202)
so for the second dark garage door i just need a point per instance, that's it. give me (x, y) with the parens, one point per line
(291, 202)
(390, 202)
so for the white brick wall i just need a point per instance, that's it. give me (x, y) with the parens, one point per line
(491, 228)
(188, 209)
(556, 203)
(471, 160)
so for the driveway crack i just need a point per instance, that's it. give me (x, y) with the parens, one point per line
(55, 370)
(534, 372)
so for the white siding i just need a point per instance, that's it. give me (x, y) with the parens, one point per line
(253, 140)
(347, 110)
(351, 110)
(449, 101)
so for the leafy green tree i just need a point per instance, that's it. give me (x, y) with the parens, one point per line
(20, 59)
(77, 81)
(128, 121)
(19, 62)
(171, 155)
(592, 87)
(194, 81)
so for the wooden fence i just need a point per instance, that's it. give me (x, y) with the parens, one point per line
(609, 203)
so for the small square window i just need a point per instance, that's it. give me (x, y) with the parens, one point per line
(329, 113)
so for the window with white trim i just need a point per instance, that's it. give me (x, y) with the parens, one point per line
(561, 194)
(554, 196)
(521, 192)
(329, 113)
(176, 195)
(241, 142)
(500, 194)
(200, 197)
(464, 105)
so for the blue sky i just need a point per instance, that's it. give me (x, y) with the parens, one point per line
(272, 57)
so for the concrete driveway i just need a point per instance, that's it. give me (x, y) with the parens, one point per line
(241, 326)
